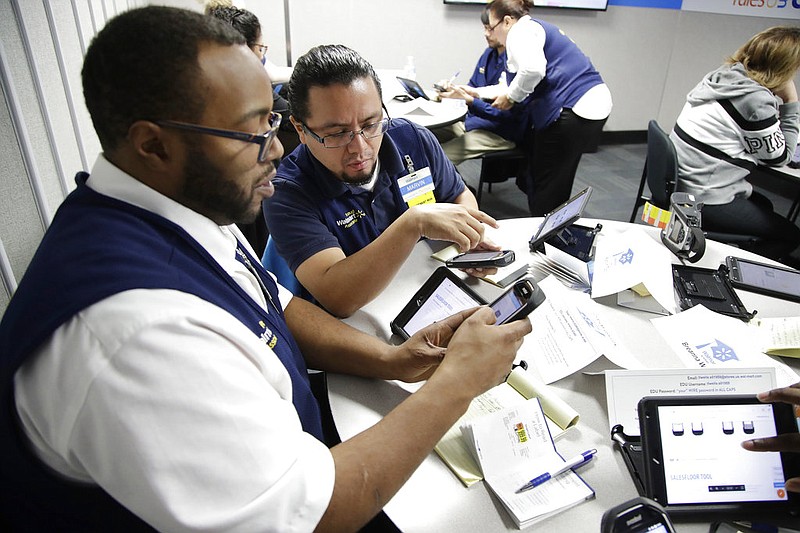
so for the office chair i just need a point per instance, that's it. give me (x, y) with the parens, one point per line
(273, 262)
(661, 175)
(660, 170)
(499, 166)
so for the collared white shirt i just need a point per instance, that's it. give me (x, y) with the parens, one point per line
(171, 404)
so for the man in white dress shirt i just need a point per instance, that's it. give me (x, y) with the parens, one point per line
(152, 374)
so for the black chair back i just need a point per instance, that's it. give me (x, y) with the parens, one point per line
(661, 166)
(660, 171)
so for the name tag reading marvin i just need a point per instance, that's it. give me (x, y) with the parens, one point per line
(417, 188)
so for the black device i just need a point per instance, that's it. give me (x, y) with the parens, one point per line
(711, 288)
(444, 293)
(413, 88)
(683, 235)
(481, 259)
(778, 281)
(440, 88)
(558, 219)
(695, 465)
(639, 515)
(517, 301)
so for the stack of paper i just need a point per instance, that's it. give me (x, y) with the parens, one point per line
(513, 446)
(519, 387)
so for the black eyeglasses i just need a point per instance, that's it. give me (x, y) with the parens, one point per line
(264, 140)
(262, 47)
(490, 29)
(337, 140)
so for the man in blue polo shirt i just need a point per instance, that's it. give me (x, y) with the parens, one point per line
(354, 198)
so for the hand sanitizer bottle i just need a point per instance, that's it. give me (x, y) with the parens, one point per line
(409, 70)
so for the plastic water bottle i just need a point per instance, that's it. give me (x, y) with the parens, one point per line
(409, 70)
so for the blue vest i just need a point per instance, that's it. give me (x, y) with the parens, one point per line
(97, 247)
(568, 76)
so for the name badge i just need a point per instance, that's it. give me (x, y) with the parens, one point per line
(417, 188)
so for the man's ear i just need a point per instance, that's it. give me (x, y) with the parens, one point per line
(151, 144)
(298, 127)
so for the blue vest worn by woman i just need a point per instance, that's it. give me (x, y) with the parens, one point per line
(97, 247)
(568, 76)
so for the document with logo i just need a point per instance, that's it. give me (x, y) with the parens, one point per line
(704, 339)
(632, 259)
(512, 447)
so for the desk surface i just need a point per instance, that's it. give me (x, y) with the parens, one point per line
(426, 113)
(434, 499)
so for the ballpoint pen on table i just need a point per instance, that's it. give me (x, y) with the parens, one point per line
(576, 461)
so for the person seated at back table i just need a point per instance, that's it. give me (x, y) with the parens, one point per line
(152, 373)
(360, 191)
(743, 114)
(249, 26)
(485, 129)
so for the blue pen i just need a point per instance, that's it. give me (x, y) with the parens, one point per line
(575, 462)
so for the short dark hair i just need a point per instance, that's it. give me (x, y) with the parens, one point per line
(516, 9)
(143, 66)
(323, 66)
(242, 21)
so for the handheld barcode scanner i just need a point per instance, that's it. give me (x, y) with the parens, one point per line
(635, 516)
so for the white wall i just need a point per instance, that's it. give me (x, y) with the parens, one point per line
(650, 58)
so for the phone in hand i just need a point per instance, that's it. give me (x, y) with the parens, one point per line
(440, 87)
(778, 281)
(481, 259)
(518, 301)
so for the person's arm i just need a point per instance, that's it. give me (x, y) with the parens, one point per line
(343, 284)
(781, 443)
(276, 73)
(373, 465)
(525, 49)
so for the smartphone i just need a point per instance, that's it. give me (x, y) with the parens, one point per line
(778, 281)
(439, 87)
(481, 259)
(640, 515)
(518, 301)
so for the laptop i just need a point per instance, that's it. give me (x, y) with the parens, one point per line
(413, 88)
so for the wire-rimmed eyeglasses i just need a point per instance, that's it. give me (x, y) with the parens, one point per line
(337, 140)
(264, 140)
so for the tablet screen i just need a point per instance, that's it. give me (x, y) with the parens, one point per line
(562, 216)
(445, 299)
(704, 461)
(764, 276)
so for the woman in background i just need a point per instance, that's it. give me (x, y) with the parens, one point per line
(741, 115)
(249, 26)
(565, 98)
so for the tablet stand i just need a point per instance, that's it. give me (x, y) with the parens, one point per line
(577, 241)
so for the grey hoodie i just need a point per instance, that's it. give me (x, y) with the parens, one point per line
(730, 124)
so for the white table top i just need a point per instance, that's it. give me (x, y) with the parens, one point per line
(426, 113)
(434, 499)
